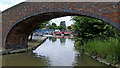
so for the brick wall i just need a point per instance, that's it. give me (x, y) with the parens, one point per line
(21, 19)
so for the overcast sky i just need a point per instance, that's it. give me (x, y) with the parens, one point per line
(66, 19)
(5, 4)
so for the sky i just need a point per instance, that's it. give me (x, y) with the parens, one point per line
(67, 19)
(5, 4)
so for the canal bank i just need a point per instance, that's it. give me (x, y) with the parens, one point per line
(37, 41)
(98, 59)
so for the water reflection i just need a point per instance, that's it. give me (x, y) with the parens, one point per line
(62, 53)
(62, 40)
(24, 59)
(52, 39)
(58, 54)
(55, 51)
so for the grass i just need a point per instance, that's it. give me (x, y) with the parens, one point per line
(108, 49)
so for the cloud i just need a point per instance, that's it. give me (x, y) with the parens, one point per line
(66, 19)
(5, 4)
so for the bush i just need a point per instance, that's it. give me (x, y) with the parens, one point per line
(107, 49)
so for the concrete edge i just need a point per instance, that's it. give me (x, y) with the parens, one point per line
(100, 60)
(9, 51)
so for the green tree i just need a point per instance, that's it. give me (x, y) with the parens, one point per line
(50, 27)
(88, 28)
(62, 25)
(62, 28)
(57, 27)
(54, 25)
(97, 37)
(42, 25)
(69, 27)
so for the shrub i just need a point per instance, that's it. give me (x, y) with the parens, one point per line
(107, 49)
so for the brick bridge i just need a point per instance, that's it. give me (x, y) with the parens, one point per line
(19, 21)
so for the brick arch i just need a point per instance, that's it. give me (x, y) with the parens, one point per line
(26, 15)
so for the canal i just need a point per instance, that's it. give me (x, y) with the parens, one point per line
(53, 52)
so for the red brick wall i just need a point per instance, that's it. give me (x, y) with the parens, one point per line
(20, 20)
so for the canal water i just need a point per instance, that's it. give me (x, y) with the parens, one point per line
(53, 52)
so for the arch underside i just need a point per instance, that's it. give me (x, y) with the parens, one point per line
(17, 37)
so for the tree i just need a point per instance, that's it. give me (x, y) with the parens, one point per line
(62, 28)
(62, 25)
(57, 27)
(54, 25)
(69, 27)
(50, 27)
(88, 28)
(42, 25)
